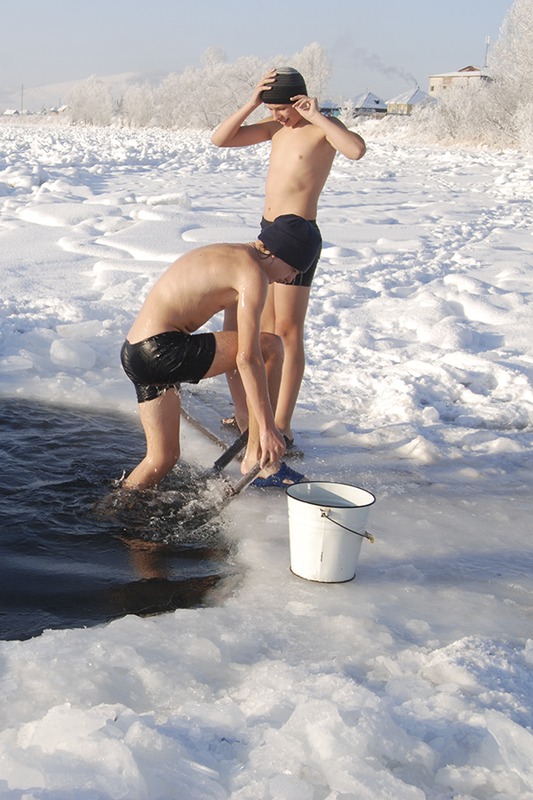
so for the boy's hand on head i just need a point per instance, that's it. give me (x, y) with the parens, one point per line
(264, 85)
(307, 107)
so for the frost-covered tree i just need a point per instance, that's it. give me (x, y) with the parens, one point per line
(511, 65)
(224, 87)
(91, 102)
(202, 97)
(315, 65)
(213, 57)
(347, 112)
(137, 106)
(511, 60)
(496, 112)
(199, 97)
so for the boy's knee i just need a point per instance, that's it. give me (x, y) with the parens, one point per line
(291, 335)
(166, 460)
(271, 346)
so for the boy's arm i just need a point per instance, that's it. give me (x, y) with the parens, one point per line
(233, 133)
(349, 143)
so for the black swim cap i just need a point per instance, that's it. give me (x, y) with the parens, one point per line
(288, 83)
(292, 239)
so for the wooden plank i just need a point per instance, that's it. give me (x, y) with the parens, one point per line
(230, 452)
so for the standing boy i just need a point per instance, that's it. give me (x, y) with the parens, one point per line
(304, 144)
(162, 349)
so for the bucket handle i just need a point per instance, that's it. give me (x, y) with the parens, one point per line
(324, 512)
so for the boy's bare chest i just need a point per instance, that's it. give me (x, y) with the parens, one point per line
(300, 146)
(301, 156)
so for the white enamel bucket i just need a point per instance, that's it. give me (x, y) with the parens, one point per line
(327, 524)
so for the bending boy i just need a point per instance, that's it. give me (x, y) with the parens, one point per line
(162, 349)
(304, 144)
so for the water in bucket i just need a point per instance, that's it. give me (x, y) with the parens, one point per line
(327, 524)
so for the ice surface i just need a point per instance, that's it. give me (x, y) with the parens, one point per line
(415, 680)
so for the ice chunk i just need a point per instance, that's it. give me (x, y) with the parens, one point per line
(67, 353)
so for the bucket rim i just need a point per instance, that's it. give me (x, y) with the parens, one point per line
(310, 501)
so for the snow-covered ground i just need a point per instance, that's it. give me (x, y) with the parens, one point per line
(413, 681)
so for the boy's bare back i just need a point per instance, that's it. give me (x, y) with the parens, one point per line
(197, 286)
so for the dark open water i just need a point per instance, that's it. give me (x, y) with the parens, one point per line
(72, 552)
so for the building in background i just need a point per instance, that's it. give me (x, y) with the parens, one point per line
(405, 102)
(369, 103)
(330, 108)
(365, 104)
(466, 77)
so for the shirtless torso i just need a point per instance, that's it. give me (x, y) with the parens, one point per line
(303, 145)
(196, 287)
(300, 162)
(303, 149)
(191, 291)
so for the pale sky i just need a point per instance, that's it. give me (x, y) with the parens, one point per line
(385, 46)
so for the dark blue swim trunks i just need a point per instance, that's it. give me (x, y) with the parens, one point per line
(303, 278)
(166, 360)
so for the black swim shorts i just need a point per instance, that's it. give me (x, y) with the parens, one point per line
(166, 360)
(303, 278)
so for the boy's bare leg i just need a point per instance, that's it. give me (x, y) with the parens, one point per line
(161, 423)
(284, 315)
(238, 395)
(225, 359)
(161, 417)
(273, 364)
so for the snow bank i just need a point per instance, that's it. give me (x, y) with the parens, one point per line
(413, 681)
